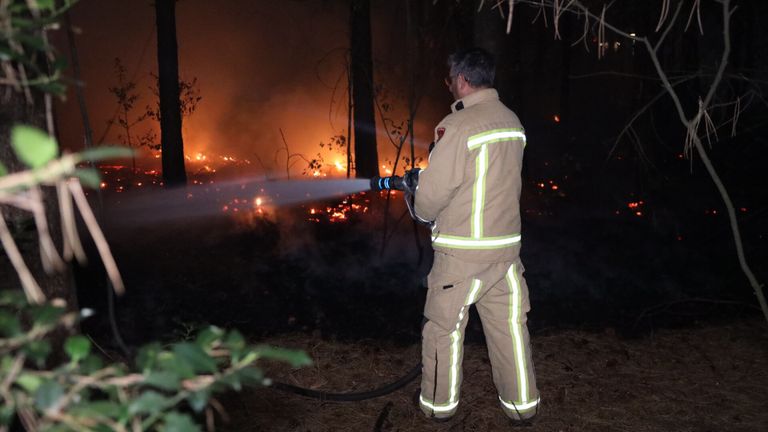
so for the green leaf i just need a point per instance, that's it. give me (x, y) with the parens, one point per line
(59, 64)
(46, 4)
(77, 347)
(251, 376)
(38, 351)
(107, 152)
(13, 298)
(48, 394)
(52, 86)
(36, 42)
(3, 170)
(172, 363)
(97, 428)
(198, 400)
(91, 364)
(150, 402)
(32, 146)
(208, 337)
(233, 381)
(196, 357)
(7, 413)
(163, 380)
(147, 357)
(234, 341)
(9, 324)
(46, 314)
(176, 422)
(19, 23)
(89, 177)
(292, 357)
(29, 382)
(103, 409)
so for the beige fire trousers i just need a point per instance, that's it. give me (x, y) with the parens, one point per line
(500, 293)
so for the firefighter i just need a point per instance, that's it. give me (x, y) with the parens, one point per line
(470, 195)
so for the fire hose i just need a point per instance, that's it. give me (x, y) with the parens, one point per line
(351, 397)
(407, 183)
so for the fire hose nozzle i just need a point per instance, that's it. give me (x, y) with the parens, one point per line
(407, 182)
(387, 183)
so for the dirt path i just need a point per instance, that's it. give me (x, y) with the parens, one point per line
(703, 378)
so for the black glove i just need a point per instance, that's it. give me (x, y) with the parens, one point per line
(411, 180)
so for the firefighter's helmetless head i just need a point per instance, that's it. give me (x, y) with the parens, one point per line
(470, 70)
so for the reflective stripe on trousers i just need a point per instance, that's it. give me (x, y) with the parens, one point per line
(446, 408)
(526, 401)
(500, 294)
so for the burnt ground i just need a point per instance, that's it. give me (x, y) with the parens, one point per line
(633, 328)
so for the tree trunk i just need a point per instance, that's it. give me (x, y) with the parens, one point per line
(366, 156)
(168, 83)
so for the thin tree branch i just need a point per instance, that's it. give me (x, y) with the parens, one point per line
(669, 27)
(28, 283)
(98, 236)
(48, 254)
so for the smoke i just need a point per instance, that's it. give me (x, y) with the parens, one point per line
(359, 253)
(351, 253)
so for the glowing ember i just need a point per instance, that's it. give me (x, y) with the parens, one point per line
(556, 118)
(354, 204)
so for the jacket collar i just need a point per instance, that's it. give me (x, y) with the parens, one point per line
(475, 98)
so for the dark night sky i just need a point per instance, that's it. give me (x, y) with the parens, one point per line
(260, 66)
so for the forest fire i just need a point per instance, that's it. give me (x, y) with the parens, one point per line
(341, 212)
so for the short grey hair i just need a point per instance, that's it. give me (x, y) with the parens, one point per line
(475, 64)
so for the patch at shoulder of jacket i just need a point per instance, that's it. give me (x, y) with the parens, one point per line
(439, 132)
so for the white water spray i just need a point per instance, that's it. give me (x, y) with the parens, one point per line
(200, 201)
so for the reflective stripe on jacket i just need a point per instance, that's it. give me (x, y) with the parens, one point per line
(471, 188)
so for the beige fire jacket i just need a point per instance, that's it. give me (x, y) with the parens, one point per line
(471, 188)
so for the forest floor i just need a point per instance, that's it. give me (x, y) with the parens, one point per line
(701, 378)
(632, 329)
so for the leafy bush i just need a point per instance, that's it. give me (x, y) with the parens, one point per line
(67, 387)
(157, 392)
